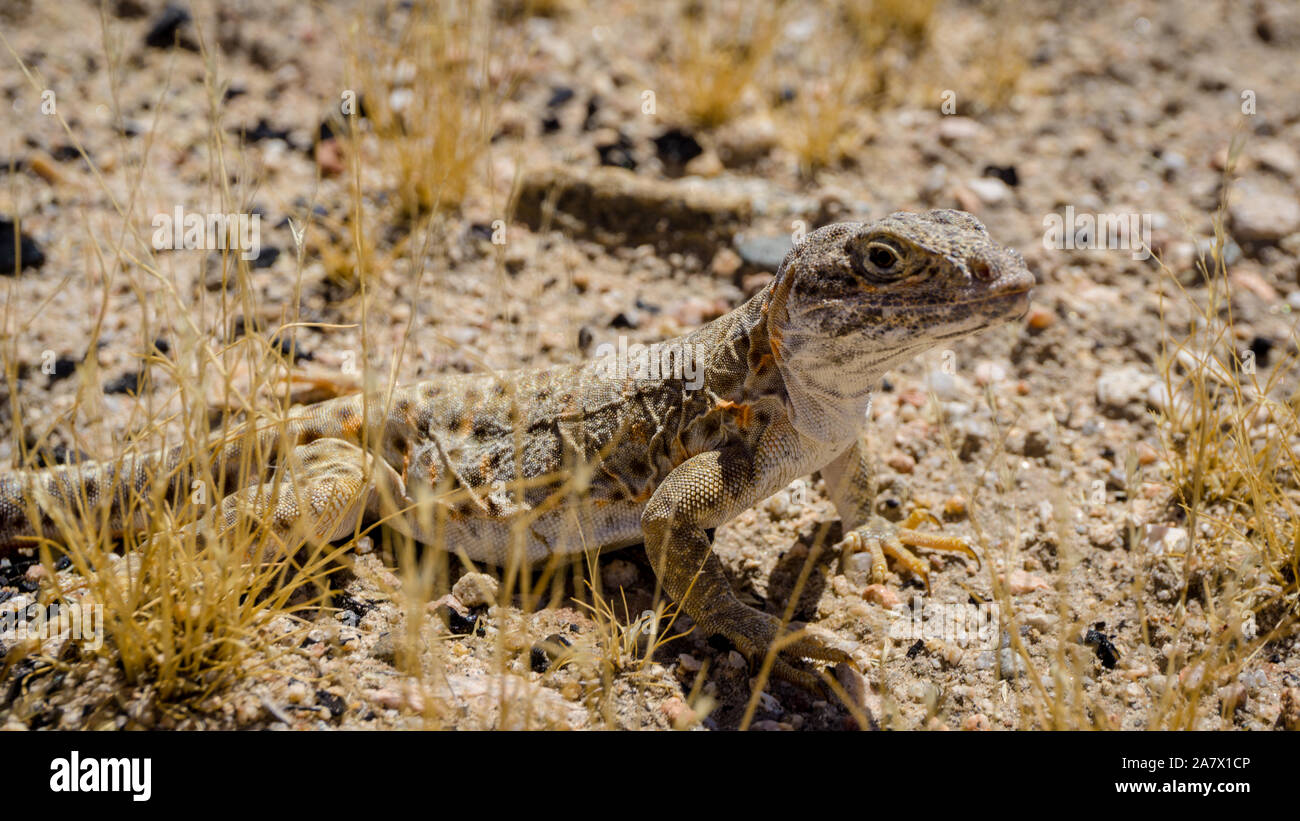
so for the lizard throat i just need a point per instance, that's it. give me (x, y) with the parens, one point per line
(830, 390)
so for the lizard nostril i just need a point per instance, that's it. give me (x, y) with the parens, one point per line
(982, 270)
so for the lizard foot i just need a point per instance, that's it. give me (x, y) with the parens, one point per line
(891, 540)
(757, 635)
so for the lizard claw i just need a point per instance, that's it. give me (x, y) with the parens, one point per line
(886, 539)
(758, 635)
(806, 642)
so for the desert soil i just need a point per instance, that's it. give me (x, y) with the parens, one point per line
(1038, 441)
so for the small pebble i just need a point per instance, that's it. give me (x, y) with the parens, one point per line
(617, 574)
(902, 463)
(475, 590)
(678, 713)
(881, 595)
(1020, 582)
(1039, 318)
(726, 263)
(1146, 454)
(978, 721)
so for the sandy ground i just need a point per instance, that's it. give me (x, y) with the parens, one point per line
(1036, 442)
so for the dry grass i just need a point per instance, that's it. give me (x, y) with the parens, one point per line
(424, 77)
(186, 614)
(717, 56)
(875, 54)
(913, 51)
(183, 614)
(1230, 433)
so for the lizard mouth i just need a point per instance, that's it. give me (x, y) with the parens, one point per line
(1014, 303)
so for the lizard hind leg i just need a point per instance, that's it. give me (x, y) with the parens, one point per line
(317, 495)
(699, 494)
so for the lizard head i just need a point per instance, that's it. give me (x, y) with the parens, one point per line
(853, 299)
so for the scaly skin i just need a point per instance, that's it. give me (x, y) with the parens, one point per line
(535, 464)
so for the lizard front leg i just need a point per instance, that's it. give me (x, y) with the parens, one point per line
(850, 485)
(701, 493)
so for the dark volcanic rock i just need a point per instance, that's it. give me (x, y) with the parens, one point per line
(12, 242)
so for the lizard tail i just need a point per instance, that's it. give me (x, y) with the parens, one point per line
(39, 503)
(105, 498)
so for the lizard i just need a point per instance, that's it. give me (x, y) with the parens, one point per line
(531, 465)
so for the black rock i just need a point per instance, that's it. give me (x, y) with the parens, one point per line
(285, 346)
(559, 96)
(266, 257)
(31, 254)
(347, 602)
(264, 131)
(166, 29)
(617, 153)
(676, 147)
(65, 152)
(1102, 646)
(593, 108)
(547, 651)
(336, 705)
(126, 383)
(1006, 173)
(63, 368)
(458, 624)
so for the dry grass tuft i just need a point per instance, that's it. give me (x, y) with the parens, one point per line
(185, 612)
(717, 57)
(425, 82)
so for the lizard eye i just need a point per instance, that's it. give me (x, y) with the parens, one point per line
(882, 258)
(877, 258)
